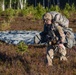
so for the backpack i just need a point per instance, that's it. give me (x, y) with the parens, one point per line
(69, 38)
(59, 18)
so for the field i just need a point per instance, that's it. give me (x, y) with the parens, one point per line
(33, 61)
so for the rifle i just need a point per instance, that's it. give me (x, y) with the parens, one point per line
(51, 38)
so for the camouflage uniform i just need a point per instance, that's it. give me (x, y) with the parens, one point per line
(50, 54)
(61, 50)
(50, 48)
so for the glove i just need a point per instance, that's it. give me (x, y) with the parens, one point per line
(60, 45)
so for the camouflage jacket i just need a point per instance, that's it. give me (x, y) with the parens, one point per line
(58, 31)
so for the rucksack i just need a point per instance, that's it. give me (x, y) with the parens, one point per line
(69, 38)
(59, 18)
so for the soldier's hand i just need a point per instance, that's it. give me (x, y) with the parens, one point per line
(60, 45)
(50, 43)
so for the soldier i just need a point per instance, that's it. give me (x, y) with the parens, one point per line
(50, 25)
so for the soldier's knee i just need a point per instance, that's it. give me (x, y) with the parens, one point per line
(37, 39)
(62, 51)
(51, 53)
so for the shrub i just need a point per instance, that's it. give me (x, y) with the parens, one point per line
(67, 7)
(66, 10)
(39, 11)
(22, 47)
(17, 12)
(9, 12)
(28, 11)
(4, 25)
(66, 13)
(73, 8)
(54, 8)
(0, 10)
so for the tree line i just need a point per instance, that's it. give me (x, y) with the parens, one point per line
(15, 4)
(48, 3)
(20, 4)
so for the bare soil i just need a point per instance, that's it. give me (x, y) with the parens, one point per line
(33, 62)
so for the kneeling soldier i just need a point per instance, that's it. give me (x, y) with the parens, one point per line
(57, 30)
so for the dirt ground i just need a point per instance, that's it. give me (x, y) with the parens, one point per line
(22, 23)
(33, 62)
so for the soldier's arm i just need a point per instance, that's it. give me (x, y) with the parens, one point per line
(61, 32)
(44, 30)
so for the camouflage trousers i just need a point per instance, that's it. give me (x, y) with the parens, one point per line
(50, 54)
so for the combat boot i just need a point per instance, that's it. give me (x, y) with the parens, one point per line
(63, 58)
